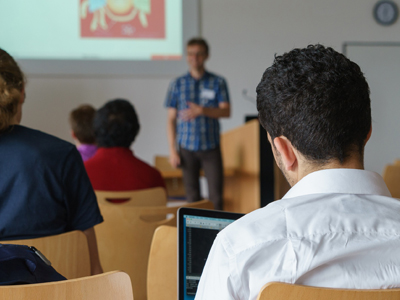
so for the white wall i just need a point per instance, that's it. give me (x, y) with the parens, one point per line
(244, 36)
(381, 65)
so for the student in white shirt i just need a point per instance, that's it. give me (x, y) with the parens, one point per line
(338, 226)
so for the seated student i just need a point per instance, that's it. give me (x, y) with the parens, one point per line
(337, 227)
(44, 189)
(114, 167)
(81, 121)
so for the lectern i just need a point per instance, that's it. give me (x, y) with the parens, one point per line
(257, 180)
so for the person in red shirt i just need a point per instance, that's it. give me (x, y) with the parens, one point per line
(114, 167)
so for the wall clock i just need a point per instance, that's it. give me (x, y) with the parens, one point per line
(385, 12)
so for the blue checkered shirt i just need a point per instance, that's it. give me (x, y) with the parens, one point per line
(201, 133)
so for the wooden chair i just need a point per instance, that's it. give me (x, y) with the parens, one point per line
(286, 291)
(162, 268)
(147, 197)
(391, 176)
(107, 286)
(124, 238)
(68, 252)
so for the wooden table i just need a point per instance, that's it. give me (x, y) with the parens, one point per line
(174, 181)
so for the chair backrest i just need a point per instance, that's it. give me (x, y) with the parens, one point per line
(286, 291)
(124, 238)
(146, 197)
(162, 268)
(107, 286)
(68, 252)
(391, 175)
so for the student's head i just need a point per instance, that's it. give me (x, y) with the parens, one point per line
(81, 121)
(197, 51)
(316, 100)
(12, 93)
(116, 124)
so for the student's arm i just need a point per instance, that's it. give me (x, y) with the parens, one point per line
(95, 266)
(174, 158)
(216, 281)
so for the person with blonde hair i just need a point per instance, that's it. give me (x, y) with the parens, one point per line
(44, 189)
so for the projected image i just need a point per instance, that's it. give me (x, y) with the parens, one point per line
(94, 31)
(122, 19)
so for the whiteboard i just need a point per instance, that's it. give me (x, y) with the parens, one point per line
(380, 63)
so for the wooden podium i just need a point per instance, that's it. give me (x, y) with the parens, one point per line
(242, 150)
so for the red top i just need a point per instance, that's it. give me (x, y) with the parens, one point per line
(117, 169)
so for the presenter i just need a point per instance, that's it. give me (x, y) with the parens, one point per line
(195, 102)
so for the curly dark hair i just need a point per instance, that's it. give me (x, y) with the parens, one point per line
(319, 100)
(116, 124)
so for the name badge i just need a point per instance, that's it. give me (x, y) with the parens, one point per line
(207, 94)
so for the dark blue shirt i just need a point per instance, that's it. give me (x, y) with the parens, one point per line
(201, 133)
(44, 188)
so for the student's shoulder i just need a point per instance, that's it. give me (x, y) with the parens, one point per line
(145, 166)
(40, 140)
(263, 225)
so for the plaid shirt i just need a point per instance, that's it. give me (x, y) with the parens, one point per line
(201, 133)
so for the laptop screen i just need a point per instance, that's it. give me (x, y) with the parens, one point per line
(197, 231)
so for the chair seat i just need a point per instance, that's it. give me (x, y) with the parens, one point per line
(68, 252)
(162, 269)
(146, 197)
(107, 286)
(124, 238)
(286, 291)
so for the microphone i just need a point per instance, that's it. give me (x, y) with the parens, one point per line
(248, 98)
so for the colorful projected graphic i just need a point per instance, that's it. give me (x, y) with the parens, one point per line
(122, 19)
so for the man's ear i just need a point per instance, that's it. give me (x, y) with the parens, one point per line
(73, 135)
(22, 99)
(368, 136)
(286, 151)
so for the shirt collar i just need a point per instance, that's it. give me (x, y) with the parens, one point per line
(340, 181)
(205, 75)
(87, 147)
(115, 151)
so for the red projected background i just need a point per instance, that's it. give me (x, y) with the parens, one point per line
(122, 18)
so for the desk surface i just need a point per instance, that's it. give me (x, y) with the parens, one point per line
(177, 173)
(174, 203)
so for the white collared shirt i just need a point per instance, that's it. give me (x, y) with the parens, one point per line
(335, 228)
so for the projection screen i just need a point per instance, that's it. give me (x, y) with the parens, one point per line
(98, 36)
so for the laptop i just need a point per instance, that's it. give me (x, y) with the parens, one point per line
(197, 229)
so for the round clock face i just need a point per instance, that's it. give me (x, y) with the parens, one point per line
(385, 12)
